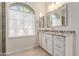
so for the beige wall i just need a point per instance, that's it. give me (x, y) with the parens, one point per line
(18, 44)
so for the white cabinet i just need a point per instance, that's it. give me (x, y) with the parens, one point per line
(58, 45)
(44, 41)
(53, 44)
(50, 44)
(47, 43)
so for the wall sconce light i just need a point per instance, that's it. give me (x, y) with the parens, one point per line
(49, 7)
(55, 5)
(41, 14)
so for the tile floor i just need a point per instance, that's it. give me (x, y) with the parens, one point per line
(32, 52)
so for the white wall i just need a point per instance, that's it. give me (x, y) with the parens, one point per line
(0, 30)
(73, 19)
(17, 44)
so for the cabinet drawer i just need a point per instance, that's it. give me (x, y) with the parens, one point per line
(59, 45)
(58, 53)
(60, 50)
(59, 38)
(59, 42)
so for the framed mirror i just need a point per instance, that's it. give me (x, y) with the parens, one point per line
(58, 17)
(41, 22)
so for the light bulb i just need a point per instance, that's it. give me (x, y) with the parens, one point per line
(41, 14)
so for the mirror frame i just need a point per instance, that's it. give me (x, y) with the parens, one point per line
(63, 7)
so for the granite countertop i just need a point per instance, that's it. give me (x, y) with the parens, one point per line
(59, 32)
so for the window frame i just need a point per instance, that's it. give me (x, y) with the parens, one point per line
(23, 27)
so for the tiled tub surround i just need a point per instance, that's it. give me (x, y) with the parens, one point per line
(58, 43)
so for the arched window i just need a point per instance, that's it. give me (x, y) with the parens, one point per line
(21, 20)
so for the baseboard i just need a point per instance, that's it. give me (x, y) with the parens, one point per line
(9, 53)
(45, 50)
(2, 54)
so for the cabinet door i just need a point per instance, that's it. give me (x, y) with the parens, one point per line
(44, 41)
(47, 43)
(50, 44)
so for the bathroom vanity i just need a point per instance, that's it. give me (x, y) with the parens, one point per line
(57, 43)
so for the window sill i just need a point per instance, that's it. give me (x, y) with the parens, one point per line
(22, 37)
